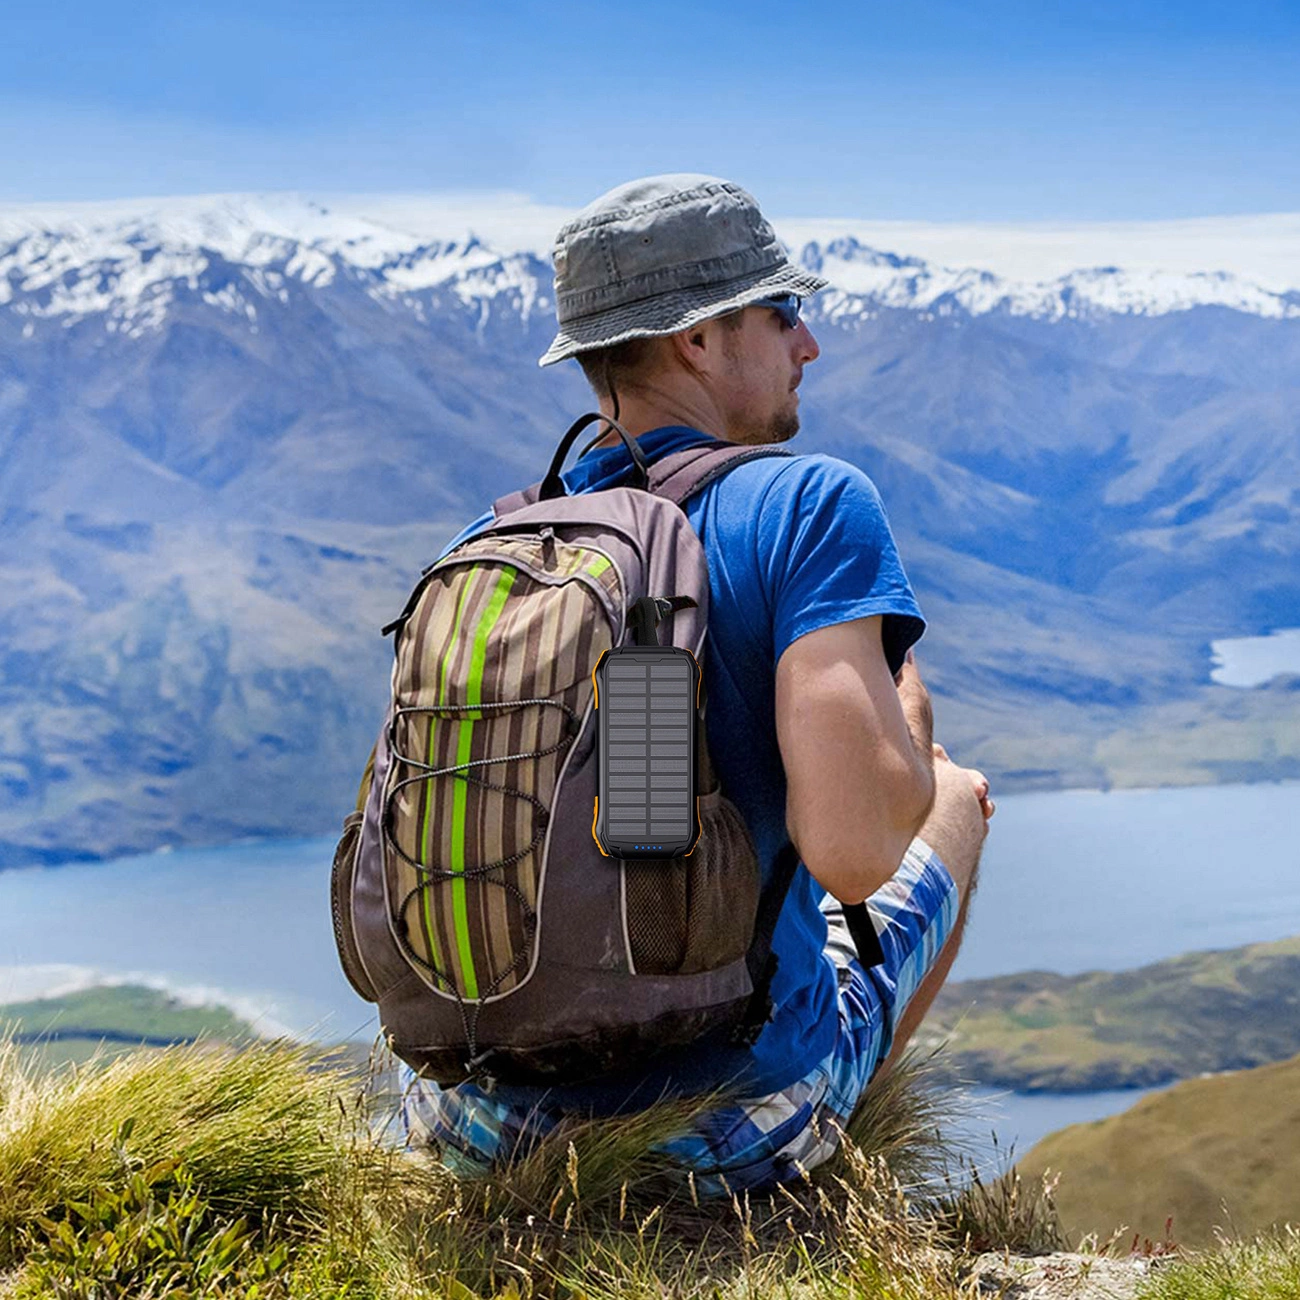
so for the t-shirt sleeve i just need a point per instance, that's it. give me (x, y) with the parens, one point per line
(826, 556)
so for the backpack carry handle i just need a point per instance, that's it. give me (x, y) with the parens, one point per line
(552, 486)
(647, 612)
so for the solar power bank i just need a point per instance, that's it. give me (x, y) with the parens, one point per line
(647, 708)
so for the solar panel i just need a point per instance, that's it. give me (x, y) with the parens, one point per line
(646, 711)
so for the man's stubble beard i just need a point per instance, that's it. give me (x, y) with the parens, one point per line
(784, 426)
(780, 428)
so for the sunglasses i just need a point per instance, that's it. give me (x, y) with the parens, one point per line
(786, 305)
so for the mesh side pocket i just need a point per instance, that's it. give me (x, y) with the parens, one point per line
(345, 861)
(688, 915)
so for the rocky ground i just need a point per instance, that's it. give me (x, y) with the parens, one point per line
(1060, 1276)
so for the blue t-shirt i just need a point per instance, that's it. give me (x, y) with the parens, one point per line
(793, 544)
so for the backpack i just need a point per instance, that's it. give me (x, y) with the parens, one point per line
(472, 899)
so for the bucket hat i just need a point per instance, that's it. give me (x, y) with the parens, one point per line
(658, 255)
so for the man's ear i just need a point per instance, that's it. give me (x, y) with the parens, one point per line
(697, 347)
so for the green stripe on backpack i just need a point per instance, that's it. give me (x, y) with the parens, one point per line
(474, 695)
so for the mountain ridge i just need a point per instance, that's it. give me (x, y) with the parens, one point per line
(285, 240)
(1208, 1158)
(208, 512)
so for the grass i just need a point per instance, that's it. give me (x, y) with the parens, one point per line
(1265, 1268)
(260, 1171)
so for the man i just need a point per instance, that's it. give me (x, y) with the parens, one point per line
(681, 307)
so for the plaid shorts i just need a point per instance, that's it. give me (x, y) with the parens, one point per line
(758, 1141)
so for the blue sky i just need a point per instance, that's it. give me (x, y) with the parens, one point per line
(918, 109)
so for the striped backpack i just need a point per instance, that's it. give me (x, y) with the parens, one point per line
(471, 898)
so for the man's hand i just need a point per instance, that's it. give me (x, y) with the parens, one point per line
(962, 804)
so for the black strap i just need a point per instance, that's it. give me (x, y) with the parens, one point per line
(401, 620)
(553, 485)
(865, 938)
(761, 959)
(648, 611)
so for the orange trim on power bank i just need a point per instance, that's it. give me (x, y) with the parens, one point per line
(595, 807)
(699, 681)
(594, 686)
(700, 826)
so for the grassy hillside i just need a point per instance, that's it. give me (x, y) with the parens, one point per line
(1198, 1013)
(227, 1172)
(110, 1020)
(224, 1173)
(1214, 1152)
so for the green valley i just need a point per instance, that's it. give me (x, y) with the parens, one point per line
(108, 1020)
(1194, 1014)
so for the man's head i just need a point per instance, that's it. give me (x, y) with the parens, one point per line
(658, 285)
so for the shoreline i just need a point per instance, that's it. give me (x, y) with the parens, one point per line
(1014, 791)
(42, 982)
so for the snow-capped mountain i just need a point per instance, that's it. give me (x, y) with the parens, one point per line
(233, 429)
(863, 278)
(128, 261)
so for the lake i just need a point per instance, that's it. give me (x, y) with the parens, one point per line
(1000, 1124)
(1081, 880)
(1071, 881)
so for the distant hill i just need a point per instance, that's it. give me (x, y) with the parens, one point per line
(110, 1019)
(233, 429)
(1189, 1015)
(1219, 1152)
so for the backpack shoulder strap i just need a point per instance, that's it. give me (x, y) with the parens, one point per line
(684, 473)
(678, 477)
(513, 501)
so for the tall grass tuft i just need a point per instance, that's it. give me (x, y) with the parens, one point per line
(1002, 1213)
(263, 1172)
(255, 1127)
(903, 1118)
(1263, 1268)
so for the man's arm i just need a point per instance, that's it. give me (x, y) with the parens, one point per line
(859, 776)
